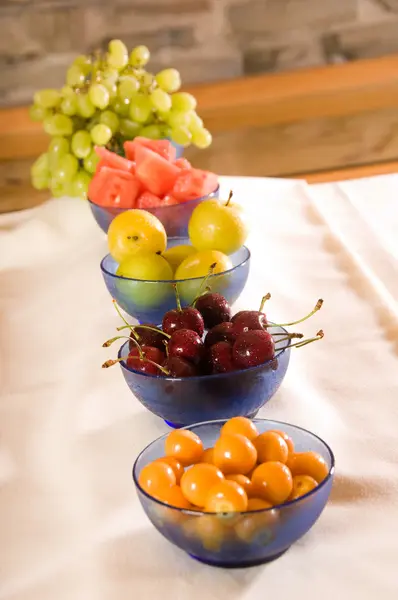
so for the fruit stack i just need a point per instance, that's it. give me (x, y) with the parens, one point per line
(108, 98)
(150, 176)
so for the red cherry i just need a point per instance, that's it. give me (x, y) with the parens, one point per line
(179, 367)
(249, 320)
(185, 318)
(221, 357)
(214, 309)
(186, 344)
(134, 360)
(253, 348)
(224, 332)
(148, 337)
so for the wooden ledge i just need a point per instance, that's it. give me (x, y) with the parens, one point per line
(270, 99)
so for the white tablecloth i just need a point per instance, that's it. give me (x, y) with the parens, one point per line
(71, 527)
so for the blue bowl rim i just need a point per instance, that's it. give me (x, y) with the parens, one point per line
(279, 353)
(172, 281)
(210, 195)
(262, 510)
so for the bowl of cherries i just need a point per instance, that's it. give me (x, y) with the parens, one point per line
(205, 363)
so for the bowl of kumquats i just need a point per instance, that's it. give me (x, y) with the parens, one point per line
(235, 493)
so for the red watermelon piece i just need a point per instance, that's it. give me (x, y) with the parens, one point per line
(194, 183)
(156, 174)
(182, 163)
(162, 147)
(169, 200)
(114, 188)
(111, 159)
(148, 200)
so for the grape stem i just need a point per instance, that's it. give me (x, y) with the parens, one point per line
(263, 301)
(229, 198)
(317, 307)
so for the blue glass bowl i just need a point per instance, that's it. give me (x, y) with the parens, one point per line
(175, 218)
(238, 540)
(147, 301)
(188, 400)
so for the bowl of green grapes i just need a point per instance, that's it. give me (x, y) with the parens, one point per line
(109, 97)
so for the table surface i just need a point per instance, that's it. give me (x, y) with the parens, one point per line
(70, 521)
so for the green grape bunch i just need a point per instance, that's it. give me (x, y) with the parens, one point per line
(109, 98)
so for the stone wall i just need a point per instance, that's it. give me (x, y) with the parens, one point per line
(205, 39)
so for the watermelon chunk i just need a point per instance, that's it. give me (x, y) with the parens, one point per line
(194, 183)
(111, 159)
(182, 163)
(148, 200)
(114, 188)
(162, 147)
(155, 173)
(169, 200)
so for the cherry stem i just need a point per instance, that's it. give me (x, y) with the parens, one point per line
(317, 307)
(290, 336)
(110, 363)
(121, 316)
(114, 339)
(264, 300)
(229, 198)
(137, 335)
(318, 336)
(177, 297)
(203, 286)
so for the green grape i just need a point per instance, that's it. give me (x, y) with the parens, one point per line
(169, 80)
(201, 138)
(121, 108)
(99, 95)
(75, 76)
(160, 100)
(41, 166)
(65, 169)
(101, 134)
(84, 62)
(92, 122)
(108, 117)
(181, 135)
(58, 125)
(91, 161)
(111, 87)
(69, 105)
(140, 109)
(165, 131)
(153, 132)
(38, 113)
(58, 188)
(81, 144)
(176, 118)
(195, 122)
(139, 56)
(182, 101)
(86, 107)
(110, 75)
(128, 87)
(67, 91)
(117, 54)
(80, 184)
(59, 146)
(129, 129)
(40, 182)
(47, 98)
(147, 80)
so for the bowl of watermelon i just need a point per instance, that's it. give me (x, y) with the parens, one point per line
(149, 177)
